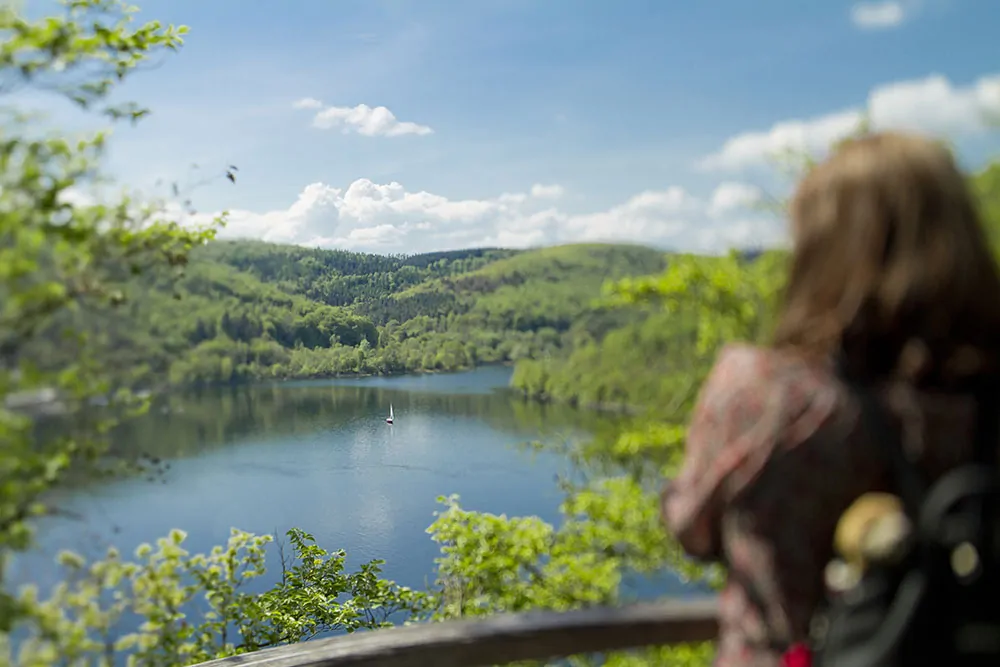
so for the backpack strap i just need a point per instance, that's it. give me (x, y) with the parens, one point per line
(907, 479)
(980, 476)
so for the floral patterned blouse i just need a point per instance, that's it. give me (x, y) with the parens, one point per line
(775, 453)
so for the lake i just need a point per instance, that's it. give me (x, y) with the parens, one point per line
(318, 455)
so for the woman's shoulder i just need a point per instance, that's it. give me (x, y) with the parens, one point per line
(755, 373)
(741, 363)
(764, 400)
(743, 360)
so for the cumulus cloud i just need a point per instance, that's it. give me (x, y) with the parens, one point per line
(878, 15)
(307, 103)
(729, 196)
(388, 218)
(361, 119)
(932, 105)
(653, 215)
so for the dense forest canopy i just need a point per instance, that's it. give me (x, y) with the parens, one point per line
(244, 310)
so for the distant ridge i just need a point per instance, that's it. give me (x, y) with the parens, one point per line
(248, 310)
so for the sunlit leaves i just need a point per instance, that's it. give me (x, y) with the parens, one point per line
(59, 254)
(731, 298)
(194, 607)
(986, 185)
(610, 529)
(84, 54)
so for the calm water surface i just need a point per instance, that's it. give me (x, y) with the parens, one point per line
(318, 455)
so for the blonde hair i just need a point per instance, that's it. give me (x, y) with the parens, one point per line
(891, 267)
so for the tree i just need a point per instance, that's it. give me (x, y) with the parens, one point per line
(986, 184)
(58, 255)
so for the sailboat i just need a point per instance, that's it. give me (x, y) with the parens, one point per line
(388, 420)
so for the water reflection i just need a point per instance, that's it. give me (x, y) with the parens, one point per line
(318, 455)
(190, 424)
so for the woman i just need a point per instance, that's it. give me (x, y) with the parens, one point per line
(892, 275)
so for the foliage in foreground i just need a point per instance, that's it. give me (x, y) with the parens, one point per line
(57, 256)
(193, 607)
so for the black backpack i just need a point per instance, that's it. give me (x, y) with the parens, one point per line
(937, 602)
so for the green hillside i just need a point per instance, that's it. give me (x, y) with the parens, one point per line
(544, 288)
(246, 310)
(635, 364)
(340, 277)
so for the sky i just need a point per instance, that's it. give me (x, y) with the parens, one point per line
(404, 126)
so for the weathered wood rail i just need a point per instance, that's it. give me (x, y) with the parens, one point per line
(499, 639)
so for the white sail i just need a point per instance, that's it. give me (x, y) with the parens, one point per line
(390, 412)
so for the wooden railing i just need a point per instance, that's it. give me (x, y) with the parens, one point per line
(499, 639)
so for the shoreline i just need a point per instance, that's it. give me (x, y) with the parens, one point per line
(171, 388)
(593, 406)
(55, 405)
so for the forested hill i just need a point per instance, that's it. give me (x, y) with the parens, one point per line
(247, 310)
(340, 277)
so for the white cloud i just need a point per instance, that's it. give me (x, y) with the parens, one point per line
(935, 105)
(547, 191)
(729, 196)
(308, 103)
(361, 119)
(653, 215)
(752, 148)
(878, 15)
(932, 105)
(386, 218)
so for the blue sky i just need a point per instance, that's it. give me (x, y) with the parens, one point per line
(622, 105)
